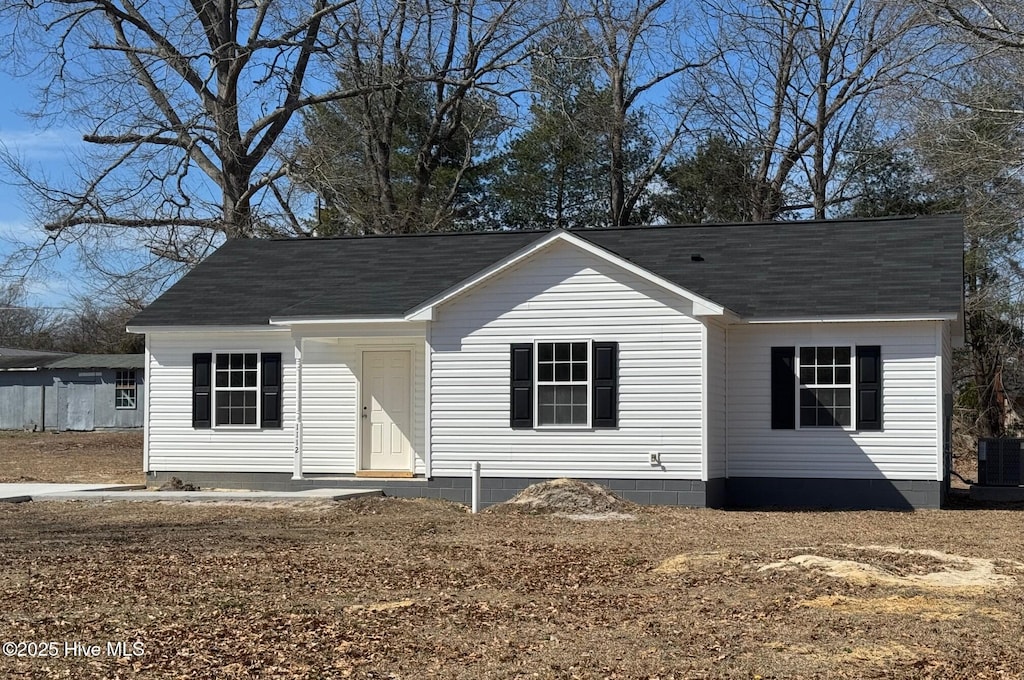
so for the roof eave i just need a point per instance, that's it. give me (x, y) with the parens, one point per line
(854, 318)
(202, 328)
(290, 321)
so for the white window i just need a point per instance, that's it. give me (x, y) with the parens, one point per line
(236, 388)
(125, 390)
(563, 384)
(826, 386)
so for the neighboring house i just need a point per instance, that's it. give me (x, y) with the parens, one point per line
(55, 391)
(795, 364)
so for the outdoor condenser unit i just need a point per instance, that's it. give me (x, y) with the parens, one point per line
(1000, 462)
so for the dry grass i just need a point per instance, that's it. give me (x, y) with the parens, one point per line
(380, 588)
(389, 588)
(105, 457)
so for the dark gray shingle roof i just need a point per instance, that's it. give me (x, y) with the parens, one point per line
(122, 361)
(896, 266)
(27, 360)
(49, 360)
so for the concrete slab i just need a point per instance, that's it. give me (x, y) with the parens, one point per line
(1005, 494)
(19, 493)
(207, 496)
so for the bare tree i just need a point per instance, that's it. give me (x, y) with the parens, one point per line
(972, 136)
(22, 325)
(94, 328)
(642, 51)
(796, 77)
(397, 160)
(186, 105)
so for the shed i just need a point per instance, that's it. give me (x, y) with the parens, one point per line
(60, 391)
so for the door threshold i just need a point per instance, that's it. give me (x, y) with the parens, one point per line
(399, 474)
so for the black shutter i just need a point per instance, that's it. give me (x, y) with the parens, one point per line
(869, 387)
(783, 388)
(521, 407)
(270, 390)
(202, 368)
(605, 411)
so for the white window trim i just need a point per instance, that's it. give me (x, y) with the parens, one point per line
(537, 384)
(118, 385)
(852, 427)
(214, 390)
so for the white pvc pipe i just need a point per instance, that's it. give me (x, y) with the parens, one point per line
(476, 487)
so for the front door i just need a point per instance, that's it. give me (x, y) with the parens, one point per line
(386, 412)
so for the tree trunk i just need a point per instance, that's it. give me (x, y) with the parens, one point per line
(617, 143)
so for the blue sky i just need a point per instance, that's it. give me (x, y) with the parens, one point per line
(49, 150)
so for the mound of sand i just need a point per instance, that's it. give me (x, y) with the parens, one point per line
(567, 497)
(958, 571)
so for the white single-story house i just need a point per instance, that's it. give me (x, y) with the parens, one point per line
(778, 364)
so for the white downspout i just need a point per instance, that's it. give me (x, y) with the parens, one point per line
(297, 471)
(147, 374)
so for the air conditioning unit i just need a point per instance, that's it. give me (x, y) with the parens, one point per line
(1001, 462)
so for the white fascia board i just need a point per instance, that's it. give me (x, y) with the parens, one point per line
(881, 318)
(326, 321)
(701, 306)
(202, 329)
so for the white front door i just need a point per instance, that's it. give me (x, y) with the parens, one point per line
(386, 412)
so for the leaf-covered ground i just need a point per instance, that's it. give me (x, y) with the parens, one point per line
(382, 588)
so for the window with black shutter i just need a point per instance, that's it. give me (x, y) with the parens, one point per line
(237, 389)
(826, 386)
(606, 385)
(564, 384)
(270, 389)
(202, 365)
(869, 387)
(783, 388)
(521, 406)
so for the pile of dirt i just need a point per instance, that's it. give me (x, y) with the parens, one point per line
(175, 484)
(937, 569)
(566, 497)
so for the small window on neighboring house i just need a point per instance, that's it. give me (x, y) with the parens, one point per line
(125, 390)
(236, 388)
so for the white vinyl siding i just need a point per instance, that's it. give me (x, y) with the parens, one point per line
(330, 409)
(559, 293)
(173, 444)
(906, 448)
(716, 404)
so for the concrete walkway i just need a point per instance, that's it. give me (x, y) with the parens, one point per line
(19, 493)
(14, 493)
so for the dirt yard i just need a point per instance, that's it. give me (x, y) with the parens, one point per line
(389, 588)
(71, 457)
